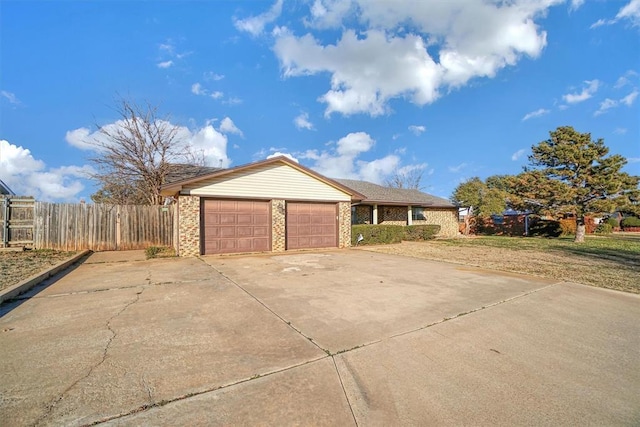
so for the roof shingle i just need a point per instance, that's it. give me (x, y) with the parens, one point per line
(379, 194)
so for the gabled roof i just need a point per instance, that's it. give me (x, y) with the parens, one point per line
(173, 187)
(4, 189)
(378, 194)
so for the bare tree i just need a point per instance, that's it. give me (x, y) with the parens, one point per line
(134, 155)
(406, 178)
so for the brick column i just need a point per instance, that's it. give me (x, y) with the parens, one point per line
(278, 226)
(344, 224)
(189, 226)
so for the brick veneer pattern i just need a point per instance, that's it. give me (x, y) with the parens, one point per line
(189, 226)
(278, 226)
(344, 224)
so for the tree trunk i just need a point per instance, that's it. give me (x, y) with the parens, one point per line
(580, 230)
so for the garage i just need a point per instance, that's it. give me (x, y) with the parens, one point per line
(231, 226)
(312, 225)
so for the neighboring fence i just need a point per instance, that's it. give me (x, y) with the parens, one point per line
(16, 220)
(74, 227)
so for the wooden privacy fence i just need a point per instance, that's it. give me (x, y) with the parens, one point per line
(16, 220)
(74, 227)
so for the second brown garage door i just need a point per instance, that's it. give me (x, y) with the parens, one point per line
(312, 225)
(231, 226)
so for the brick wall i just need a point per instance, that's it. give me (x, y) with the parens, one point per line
(188, 226)
(447, 219)
(278, 226)
(363, 215)
(344, 224)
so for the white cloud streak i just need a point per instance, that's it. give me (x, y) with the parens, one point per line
(539, 112)
(417, 130)
(302, 122)
(590, 88)
(255, 25)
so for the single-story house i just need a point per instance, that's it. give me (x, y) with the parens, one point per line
(277, 205)
(271, 205)
(401, 206)
(5, 190)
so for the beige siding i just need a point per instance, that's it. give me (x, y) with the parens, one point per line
(270, 182)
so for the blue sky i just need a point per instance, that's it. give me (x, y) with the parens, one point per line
(351, 88)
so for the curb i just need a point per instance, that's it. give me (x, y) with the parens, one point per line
(32, 281)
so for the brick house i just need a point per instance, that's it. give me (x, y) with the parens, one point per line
(277, 204)
(397, 206)
(271, 205)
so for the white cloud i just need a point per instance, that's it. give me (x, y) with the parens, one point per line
(211, 76)
(591, 86)
(630, 99)
(620, 131)
(79, 138)
(344, 162)
(197, 89)
(164, 64)
(625, 79)
(537, 113)
(278, 154)
(217, 94)
(302, 121)
(227, 126)
(457, 168)
(11, 97)
(630, 11)
(609, 103)
(28, 176)
(211, 142)
(575, 4)
(389, 58)
(417, 129)
(605, 105)
(233, 101)
(255, 24)
(518, 154)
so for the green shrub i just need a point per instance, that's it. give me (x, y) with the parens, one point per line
(613, 222)
(376, 234)
(545, 228)
(416, 233)
(631, 221)
(604, 228)
(382, 234)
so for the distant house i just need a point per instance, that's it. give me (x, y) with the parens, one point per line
(5, 190)
(401, 206)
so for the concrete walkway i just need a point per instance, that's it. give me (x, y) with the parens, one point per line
(329, 338)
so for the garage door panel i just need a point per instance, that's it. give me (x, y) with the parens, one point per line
(236, 226)
(311, 225)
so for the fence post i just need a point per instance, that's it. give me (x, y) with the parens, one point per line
(5, 222)
(118, 237)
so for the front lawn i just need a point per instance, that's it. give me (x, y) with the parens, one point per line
(611, 261)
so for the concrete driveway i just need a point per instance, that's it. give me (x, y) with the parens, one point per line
(316, 338)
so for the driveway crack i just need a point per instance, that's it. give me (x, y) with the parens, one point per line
(51, 406)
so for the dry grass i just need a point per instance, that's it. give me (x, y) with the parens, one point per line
(607, 262)
(17, 266)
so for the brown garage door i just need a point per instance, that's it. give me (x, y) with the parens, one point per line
(312, 225)
(236, 226)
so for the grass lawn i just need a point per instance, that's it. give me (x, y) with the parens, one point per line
(611, 261)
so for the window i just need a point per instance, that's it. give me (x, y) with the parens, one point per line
(417, 214)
